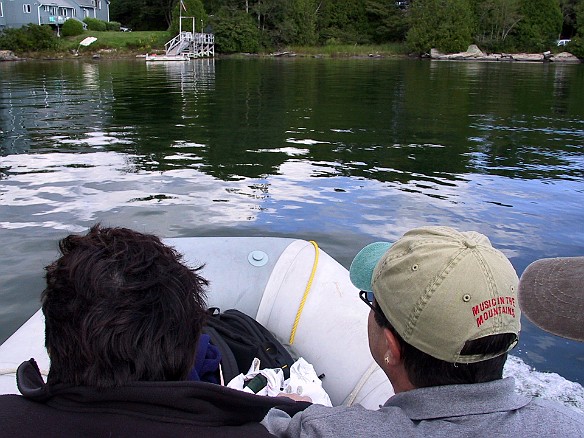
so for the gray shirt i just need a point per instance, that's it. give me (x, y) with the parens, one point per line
(483, 409)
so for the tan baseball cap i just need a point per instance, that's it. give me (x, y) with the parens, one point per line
(440, 288)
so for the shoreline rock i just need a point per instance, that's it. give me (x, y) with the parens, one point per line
(473, 53)
(8, 55)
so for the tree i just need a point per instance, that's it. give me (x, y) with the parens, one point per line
(143, 14)
(273, 18)
(387, 22)
(576, 46)
(579, 17)
(193, 9)
(568, 8)
(446, 25)
(344, 22)
(540, 25)
(235, 31)
(495, 19)
(304, 14)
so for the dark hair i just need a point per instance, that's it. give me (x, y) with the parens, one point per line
(120, 306)
(425, 370)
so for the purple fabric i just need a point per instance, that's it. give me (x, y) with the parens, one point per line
(207, 358)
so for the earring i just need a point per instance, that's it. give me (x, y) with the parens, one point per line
(386, 359)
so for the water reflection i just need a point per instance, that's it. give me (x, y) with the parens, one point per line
(344, 152)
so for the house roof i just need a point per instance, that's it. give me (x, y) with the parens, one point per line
(86, 3)
(60, 3)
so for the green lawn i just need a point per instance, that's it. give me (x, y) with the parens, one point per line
(146, 41)
(344, 50)
(119, 41)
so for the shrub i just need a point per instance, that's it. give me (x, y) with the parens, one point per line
(235, 31)
(95, 24)
(113, 26)
(28, 38)
(576, 47)
(72, 27)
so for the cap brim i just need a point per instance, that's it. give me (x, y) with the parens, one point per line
(551, 296)
(362, 266)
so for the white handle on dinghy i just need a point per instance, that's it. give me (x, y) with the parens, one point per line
(6, 371)
(359, 386)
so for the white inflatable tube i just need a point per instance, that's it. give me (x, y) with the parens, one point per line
(266, 278)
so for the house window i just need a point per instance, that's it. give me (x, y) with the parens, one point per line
(74, 14)
(26, 9)
(63, 12)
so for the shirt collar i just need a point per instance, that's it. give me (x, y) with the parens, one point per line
(457, 400)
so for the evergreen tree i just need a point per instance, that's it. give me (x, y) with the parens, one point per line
(576, 46)
(540, 25)
(568, 8)
(446, 25)
(387, 22)
(579, 17)
(343, 22)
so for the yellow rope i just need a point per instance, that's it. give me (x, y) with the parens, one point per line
(306, 291)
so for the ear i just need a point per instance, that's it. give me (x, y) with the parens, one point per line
(393, 353)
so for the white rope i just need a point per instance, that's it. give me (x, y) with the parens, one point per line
(353, 394)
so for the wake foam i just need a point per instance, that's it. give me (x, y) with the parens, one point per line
(549, 386)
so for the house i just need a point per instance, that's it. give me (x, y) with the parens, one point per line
(17, 13)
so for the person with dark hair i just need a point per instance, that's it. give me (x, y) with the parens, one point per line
(123, 316)
(444, 314)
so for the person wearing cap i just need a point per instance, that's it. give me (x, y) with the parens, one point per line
(444, 314)
(551, 294)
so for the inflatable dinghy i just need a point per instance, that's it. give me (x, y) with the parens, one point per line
(292, 287)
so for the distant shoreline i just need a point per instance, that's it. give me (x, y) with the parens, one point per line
(472, 54)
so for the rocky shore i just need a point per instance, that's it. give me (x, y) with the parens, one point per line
(473, 53)
(8, 55)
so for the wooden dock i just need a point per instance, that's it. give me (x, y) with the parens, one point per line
(191, 45)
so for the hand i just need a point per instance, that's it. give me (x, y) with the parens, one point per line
(296, 397)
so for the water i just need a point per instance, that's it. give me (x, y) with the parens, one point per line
(344, 152)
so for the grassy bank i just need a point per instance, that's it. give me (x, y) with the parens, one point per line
(344, 50)
(132, 43)
(121, 42)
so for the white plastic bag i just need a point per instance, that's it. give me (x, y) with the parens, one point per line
(274, 377)
(304, 381)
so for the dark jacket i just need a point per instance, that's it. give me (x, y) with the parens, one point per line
(152, 409)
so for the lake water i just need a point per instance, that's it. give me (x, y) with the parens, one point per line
(344, 152)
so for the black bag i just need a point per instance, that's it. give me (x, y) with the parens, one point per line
(240, 339)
